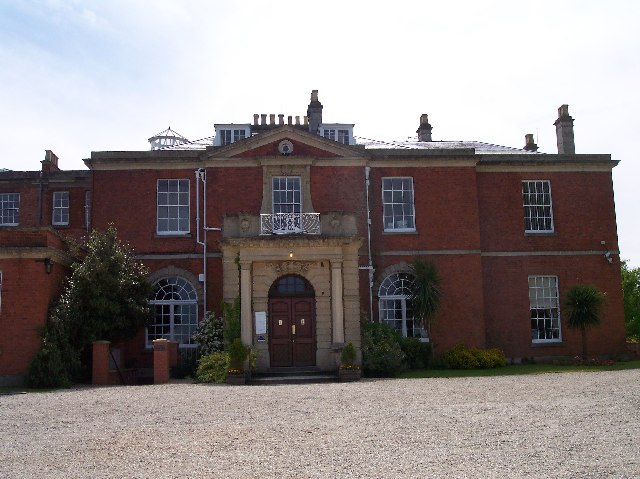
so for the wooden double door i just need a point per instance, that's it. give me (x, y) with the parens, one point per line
(292, 340)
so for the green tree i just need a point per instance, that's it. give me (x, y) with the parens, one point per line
(425, 295)
(631, 300)
(107, 297)
(584, 306)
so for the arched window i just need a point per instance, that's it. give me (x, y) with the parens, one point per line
(175, 306)
(291, 285)
(395, 306)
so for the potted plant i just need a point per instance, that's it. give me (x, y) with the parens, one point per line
(349, 370)
(238, 352)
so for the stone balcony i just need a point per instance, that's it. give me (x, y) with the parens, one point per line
(245, 225)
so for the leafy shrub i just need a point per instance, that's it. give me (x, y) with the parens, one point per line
(49, 368)
(461, 357)
(417, 353)
(382, 355)
(492, 358)
(210, 334)
(348, 356)
(253, 359)
(213, 368)
(238, 352)
(231, 319)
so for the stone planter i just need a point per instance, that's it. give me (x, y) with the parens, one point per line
(348, 375)
(236, 378)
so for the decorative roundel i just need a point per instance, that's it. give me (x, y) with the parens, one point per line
(285, 147)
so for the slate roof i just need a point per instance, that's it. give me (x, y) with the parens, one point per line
(480, 147)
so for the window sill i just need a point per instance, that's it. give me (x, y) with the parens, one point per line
(61, 226)
(173, 235)
(400, 232)
(540, 233)
(543, 344)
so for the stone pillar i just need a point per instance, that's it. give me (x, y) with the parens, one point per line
(160, 361)
(246, 329)
(337, 307)
(100, 363)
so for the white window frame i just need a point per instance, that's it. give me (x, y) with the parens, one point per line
(404, 222)
(175, 206)
(296, 206)
(544, 307)
(230, 133)
(9, 215)
(60, 209)
(395, 290)
(177, 293)
(340, 132)
(538, 206)
(289, 220)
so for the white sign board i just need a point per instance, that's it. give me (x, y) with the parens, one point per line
(261, 322)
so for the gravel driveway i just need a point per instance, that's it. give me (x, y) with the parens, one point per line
(552, 425)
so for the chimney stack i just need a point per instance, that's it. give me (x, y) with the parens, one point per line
(314, 113)
(529, 144)
(424, 130)
(564, 132)
(50, 162)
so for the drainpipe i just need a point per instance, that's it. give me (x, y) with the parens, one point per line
(40, 198)
(369, 267)
(202, 176)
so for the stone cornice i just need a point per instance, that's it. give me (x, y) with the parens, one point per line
(56, 255)
(290, 242)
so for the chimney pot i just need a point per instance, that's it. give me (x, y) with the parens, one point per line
(280, 119)
(263, 119)
(272, 118)
(529, 143)
(255, 119)
(297, 119)
(289, 120)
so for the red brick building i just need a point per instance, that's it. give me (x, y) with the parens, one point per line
(314, 232)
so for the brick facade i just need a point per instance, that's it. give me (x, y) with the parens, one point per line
(469, 221)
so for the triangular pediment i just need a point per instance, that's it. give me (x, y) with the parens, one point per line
(297, 142)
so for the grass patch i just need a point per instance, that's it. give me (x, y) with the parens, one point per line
(516, 369)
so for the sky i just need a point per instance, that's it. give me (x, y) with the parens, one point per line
(78, 76)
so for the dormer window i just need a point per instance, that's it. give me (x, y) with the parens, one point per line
(227, 134)
(338, 132)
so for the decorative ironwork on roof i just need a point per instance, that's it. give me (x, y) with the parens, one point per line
(166, 138)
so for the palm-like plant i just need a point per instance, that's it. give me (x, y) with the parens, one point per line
(584, 305)
(425, 295)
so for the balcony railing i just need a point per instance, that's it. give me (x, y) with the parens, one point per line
(290, 223)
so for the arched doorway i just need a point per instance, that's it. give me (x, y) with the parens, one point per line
(292, 331)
